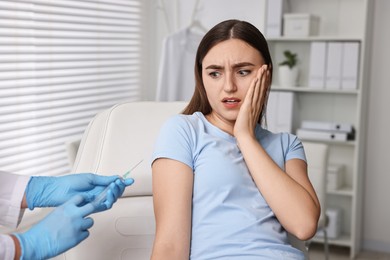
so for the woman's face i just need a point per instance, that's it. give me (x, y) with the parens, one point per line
(227, 71)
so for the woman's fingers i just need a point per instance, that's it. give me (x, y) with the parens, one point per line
(257, 87)
(264, 84)
(260, 90)
(250, 93)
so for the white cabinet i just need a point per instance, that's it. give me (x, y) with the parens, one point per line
(341, 21)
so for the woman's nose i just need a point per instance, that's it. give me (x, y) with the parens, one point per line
(230, 85)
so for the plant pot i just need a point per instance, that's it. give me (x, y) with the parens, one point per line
(288, 77)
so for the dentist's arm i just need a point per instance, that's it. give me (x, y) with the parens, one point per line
(59, 231)
(66, 226)
(45, 191)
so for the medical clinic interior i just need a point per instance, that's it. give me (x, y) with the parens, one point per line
(86, 85)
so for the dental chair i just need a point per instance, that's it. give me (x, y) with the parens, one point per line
(114, 141)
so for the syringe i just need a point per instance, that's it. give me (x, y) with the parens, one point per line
(103, 195)
(124, 176)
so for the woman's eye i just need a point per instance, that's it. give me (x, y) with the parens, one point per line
(214, 74)
(244, 72)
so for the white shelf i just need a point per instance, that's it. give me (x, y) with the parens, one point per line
(340, 21)
(342, 240)
(347, 143)
(303, 89)
(343, 191)
(314, 38)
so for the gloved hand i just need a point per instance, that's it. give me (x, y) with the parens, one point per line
(109, 196)
(45, 191)
(59, 231)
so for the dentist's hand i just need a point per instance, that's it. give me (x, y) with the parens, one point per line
(253, 104)
(59, 231)
(48, 191)
(109, 196)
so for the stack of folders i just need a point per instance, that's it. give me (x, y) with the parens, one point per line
(326, 131)
(334, 65)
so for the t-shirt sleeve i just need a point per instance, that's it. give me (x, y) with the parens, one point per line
(295, 148)
(174, 141)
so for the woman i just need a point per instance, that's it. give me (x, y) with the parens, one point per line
(224, 187)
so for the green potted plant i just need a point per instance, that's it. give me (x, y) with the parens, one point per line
(288, 70)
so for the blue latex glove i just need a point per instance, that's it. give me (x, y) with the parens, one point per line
(48, 191)
(59, 231)
(109, 196)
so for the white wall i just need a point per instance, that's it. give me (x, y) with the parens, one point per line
(376, 213)
(376, 216)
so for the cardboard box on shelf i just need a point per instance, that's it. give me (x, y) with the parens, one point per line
(334, 223)
(335, 176)
(300, 25)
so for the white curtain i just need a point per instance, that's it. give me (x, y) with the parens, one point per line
(61, 62)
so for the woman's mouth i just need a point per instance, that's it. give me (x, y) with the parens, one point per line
(231, 102)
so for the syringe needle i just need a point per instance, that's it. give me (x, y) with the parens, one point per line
(103, 195)
(132, 168)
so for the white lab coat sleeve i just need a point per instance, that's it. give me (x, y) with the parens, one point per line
(7, 248)
(12, 188)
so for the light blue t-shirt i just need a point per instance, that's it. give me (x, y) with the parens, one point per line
(230, 218)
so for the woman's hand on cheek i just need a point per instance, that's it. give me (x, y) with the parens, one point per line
(251, 107)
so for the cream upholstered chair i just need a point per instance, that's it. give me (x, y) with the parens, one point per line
(317, 160)
(115, 140)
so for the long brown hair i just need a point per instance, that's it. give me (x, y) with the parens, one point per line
(229, 29)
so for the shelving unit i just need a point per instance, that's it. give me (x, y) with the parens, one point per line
(340, 21)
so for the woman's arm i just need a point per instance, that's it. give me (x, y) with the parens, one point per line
(289, 194)
(172, 198)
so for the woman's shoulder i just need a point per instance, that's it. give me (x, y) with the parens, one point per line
(183, 121)
(287, 143)
(282, 137)
(182, 118)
